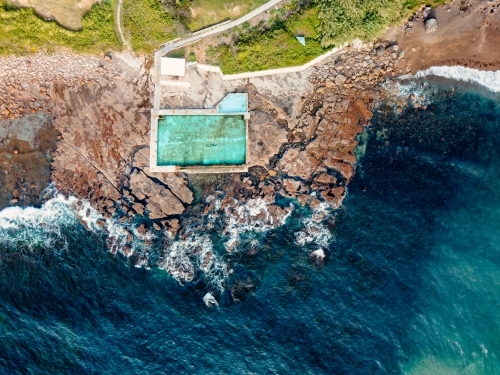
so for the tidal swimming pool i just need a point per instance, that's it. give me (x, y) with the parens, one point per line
(187, 140)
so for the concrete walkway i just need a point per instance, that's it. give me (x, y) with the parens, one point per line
(228, 77)
(118, 21)
(270, 72)
(200, 35)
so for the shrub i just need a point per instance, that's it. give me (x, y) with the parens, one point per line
(344, 20)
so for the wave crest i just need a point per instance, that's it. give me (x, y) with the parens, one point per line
(487, 79)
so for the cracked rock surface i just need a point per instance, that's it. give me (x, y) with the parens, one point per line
(101, 111)
(302, 133)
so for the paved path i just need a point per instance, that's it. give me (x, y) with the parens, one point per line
(119, 25)
(211, 31)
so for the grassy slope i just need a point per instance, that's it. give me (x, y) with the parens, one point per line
(275, 48)
(328, 23)
(209, 12)
(147, 24)
(22, 32)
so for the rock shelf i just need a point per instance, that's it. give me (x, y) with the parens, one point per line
(301, 147)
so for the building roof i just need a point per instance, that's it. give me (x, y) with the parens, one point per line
(173, 67)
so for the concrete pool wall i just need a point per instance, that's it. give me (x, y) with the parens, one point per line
(201, 140)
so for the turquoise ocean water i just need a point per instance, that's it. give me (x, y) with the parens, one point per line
(411, 284)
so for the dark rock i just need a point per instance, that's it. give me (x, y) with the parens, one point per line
(210, 300)
(241, 289)
(426, 12)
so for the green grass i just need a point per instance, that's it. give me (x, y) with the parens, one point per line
(325, 24)
(23, 32)
(209, 12)
(147, 24)
(274, 48)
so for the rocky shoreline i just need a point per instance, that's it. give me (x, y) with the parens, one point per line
(82, 123)
(301, 149)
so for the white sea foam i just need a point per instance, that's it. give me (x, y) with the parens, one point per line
(411, 88)
(184, 257)
(407, 88)
(314, 231)
(117, 233)
(487, 79)
(318, 254)
(210, 300)
(253, 215)
(30, 228)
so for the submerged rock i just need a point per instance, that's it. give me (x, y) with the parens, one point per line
(241, 289)
(318, 257)
(210, 300)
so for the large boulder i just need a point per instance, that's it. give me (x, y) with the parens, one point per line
(431, 25)
(426, 12)
(357, 44)
(161, 201)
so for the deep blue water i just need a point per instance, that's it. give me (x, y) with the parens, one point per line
(411, 284)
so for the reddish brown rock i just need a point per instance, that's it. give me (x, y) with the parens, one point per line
(324, 178)
(300, 164)
(293, 187)
(160, 200)
(334, 196)
(172, 226)
(265, 137)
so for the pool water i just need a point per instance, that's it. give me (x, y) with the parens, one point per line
(233, 103)
(201, 140)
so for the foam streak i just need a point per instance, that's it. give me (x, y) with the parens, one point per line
(487, 79)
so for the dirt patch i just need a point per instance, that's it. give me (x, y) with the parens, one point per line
(467, 36)
(67, 13)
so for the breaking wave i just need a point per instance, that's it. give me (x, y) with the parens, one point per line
(487, 79)
(35, 228)
(256, 214)
(187, 257)
(31, 229)
(314, 231)
(184, 257)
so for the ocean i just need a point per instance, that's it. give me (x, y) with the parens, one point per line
(411, 283)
